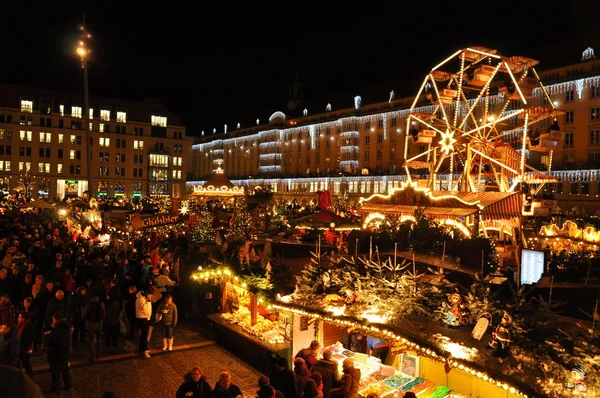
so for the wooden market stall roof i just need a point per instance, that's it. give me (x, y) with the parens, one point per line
(218, 185)
(404, 200)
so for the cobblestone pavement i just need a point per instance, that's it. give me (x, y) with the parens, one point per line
(159, 376)
(186, 333)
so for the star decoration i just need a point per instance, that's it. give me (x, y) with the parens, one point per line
(448, 142)
(183, 210)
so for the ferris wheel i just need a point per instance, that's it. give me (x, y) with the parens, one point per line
(480, 125)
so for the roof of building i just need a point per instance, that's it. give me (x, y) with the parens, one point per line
(137, 110)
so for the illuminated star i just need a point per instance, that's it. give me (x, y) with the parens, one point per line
(183, 210)
(447, 141)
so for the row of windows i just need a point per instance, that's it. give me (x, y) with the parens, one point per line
(77, 112)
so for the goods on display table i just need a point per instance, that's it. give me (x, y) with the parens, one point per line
(264, 329)
(387, 381)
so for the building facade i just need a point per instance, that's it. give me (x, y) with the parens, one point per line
(128, 148)
(360, 150)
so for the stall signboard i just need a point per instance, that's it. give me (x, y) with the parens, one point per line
(398, 348)
(410, 365)
(285, 321)
(532, 266)
(232, 301)
(304, 323)
(139, 222)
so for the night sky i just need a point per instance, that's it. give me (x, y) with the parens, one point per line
(224, 63)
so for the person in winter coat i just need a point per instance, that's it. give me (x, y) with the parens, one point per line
(167, 312)
(21, 385)
(10, 346)
(283, 378)
(26, 334)
(348, 386)
(93, 314)
(266, 390)
(112, 321)
(59, 344)
(143, 313)
(310, 390)
(328, 368)
(77, 304)
(194, 385)
(302, 375)
(130, 300)
(316, 376)
(224, 388)
(56, 304)
(309, 354)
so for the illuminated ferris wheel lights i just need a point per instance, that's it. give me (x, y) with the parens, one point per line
(447, 142)
(491, 118)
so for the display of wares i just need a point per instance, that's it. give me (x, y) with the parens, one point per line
(377, 388)
(439, 392)
(264, 329)
(397, 381)
(348, 353)
(424, 388)
(411, 384)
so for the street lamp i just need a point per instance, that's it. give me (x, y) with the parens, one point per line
(83, 52)
(26, 183)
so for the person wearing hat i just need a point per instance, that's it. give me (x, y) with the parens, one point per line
(143, 313)
(348, 386)
(309, 354)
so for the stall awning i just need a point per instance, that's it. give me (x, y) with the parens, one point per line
(431, 212)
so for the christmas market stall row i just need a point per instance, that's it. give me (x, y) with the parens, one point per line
(409, 331)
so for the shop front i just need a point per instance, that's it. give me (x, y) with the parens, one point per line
(410, 366)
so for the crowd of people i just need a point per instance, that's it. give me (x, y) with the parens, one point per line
(60, 291)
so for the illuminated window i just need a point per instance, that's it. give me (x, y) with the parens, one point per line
(7, 165)
(105, 115)
(101, 127)
(107, 142)
(40, 167)
(26, 106)
(138, 144)
(72, 154)
(1, 164)
(29, 135)
(101, 141)
(42, 137)
(91, 113)
(61, 138)
(61, 109)
(48, 137)
(21, 166)
(22, 135)
(73, 139)
(59, 168)
(179, 174)
(121, 117)
(174, 173)
(76, 111)
(159, 121)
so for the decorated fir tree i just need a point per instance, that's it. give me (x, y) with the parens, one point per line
(240, 226)
(203, 233)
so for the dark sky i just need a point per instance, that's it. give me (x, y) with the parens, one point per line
(227, 62)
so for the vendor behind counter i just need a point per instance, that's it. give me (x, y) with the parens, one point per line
(378, 348)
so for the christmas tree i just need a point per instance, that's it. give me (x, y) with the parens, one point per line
(203, 233)
(240, 224)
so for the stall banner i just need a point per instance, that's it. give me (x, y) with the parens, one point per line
(139, 222)
(398, 348)
(286, 320)
(232, 300)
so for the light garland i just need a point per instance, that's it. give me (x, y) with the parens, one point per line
(387, 333)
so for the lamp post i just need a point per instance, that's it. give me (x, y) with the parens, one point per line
(83, 52)
(26, 183)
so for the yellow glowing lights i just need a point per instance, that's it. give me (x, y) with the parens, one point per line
(447, 142)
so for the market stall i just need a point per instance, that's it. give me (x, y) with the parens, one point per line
(409, 367)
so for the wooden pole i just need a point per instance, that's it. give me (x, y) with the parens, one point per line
(482, 263)
(395, 251)
(356, 249)
(414, 272)
(371, 248)
(253, 309)
(551, 287)
(587, 276)
(594, 317)
(319, 246)
(443, 255)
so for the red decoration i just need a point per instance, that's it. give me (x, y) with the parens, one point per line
(324, 199)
